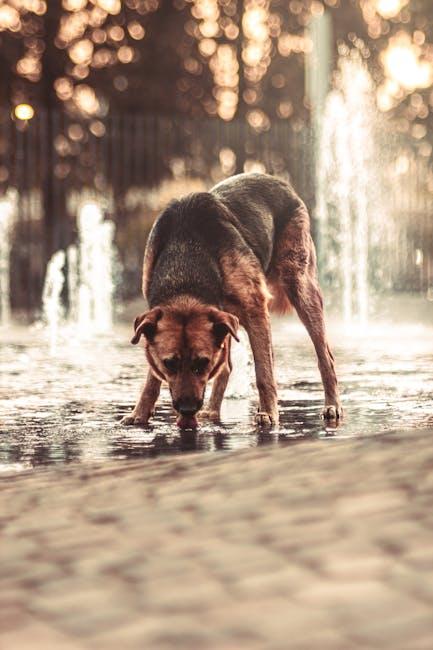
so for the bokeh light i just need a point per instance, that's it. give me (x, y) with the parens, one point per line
(85, 99)
(225, 67)
(240, 44)
(405, 70)
(390, 8)
(24, 112)
(81, 52)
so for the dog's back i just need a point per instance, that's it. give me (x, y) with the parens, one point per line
(188, 239)
(180, 255)
(260, 203)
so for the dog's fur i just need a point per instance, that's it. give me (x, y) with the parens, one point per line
(214, 260)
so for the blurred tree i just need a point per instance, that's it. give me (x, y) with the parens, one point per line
(214, 57)
(217, 58)
(222, 58)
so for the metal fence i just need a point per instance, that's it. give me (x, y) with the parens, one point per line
(51, 162)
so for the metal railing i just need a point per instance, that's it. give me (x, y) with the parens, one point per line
(51, 162)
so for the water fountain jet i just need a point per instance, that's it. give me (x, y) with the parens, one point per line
(7, 216)
(88, 270)
(95, 287)
(346, 196)
(52, 308)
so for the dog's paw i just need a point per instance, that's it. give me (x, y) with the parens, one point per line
(209, 414)
(133, 419)
(332, 413)
(264, 419)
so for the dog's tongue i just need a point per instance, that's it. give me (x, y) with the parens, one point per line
(184, 422)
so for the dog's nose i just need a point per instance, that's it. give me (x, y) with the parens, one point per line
(188, 407)
(188, 412)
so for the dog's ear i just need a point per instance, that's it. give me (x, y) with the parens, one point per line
(223, 324)
(145, 325)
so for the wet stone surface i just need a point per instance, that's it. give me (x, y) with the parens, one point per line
(65, 406)
(309, 547)
(110, 537)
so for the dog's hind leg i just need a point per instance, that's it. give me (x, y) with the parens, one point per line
(306, 297)
(296, 264)
(146, 402)
(246, 284)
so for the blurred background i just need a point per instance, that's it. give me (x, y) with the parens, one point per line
(110, 108)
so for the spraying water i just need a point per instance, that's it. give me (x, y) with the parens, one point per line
(52, 308)
(242, 374)
(73, 282)
(88, 273)
(93, 298)
(345, 187)
(7, 214)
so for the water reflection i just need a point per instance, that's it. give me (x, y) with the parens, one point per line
(67, 407)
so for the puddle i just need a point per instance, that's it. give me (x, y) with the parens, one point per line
(66, 407)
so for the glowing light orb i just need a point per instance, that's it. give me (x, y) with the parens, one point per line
(24, 112)
(390, 8)
(403, 64)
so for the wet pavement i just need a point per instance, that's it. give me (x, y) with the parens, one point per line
(306, 537)
(64, 406)
(316, 547)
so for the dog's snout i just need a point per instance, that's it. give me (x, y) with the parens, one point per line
(188, 412)
(188, 406)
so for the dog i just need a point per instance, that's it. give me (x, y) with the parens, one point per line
(216, 260)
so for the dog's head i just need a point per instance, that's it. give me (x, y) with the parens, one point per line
(186, 348)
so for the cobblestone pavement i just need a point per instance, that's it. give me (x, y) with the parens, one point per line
(325, 545)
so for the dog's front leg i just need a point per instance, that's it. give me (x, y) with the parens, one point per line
(259, 332)
(146, 402)
(213, 411)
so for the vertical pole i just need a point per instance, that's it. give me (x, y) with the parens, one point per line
(318, 67)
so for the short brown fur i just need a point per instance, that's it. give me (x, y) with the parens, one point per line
(186, 330)
(197, 334)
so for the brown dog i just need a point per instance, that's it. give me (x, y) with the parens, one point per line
(214, 260)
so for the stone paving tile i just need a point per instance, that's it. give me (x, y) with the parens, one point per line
(313, 546)
(38, 636)
(408, 579)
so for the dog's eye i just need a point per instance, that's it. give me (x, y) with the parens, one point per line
(199, 365)
(172, 364)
